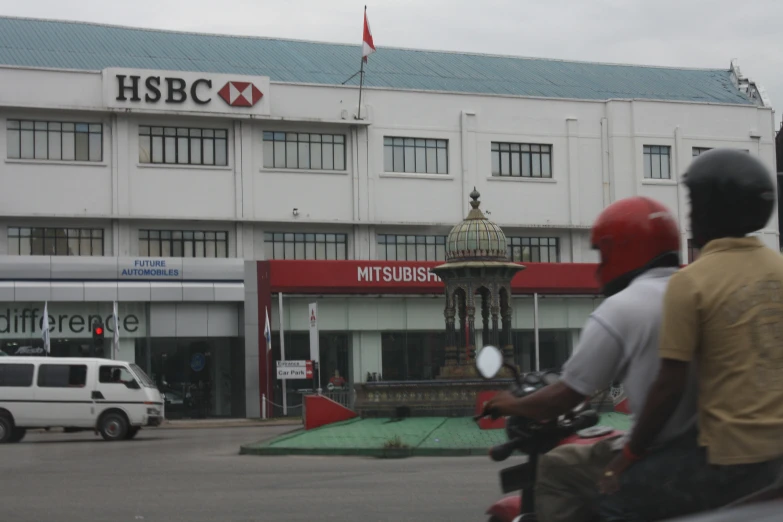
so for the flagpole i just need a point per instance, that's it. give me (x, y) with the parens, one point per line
(361, 77)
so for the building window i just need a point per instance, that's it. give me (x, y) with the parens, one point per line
(411, 248)
(308, 151)
(280, 245)
(24, 241)
(51, 140)
(693, 252)
(183, 146)
(416, 155)
(525, 160)
(657, 163)
(534, 249)
(183, 243)
(697, 151)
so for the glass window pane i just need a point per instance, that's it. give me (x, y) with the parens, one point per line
(165, 248)
(504, 162)
(291, 155)
(41, 146)
(199, 249)
(195, 151)
(536, 165)
(12, 143)
(443, 162)
(304, 155)
(388, 158)
(144, 247)
(96, 144)
(342, 251)
(546, 165)
(170, 152)
(182, 150)
(410, 159)
(144, 149)
(320, 250)
(177, 248)
(421, 160)
(526, 170)
(97, 247)
(221, 152)
(432, 160)
(221, 249)
(339, 157)
(315, 156)
(280, 156)
(55, 149)
(309, 250)
(157, 149)
(665, 165)
(27, 144)
(331, 251)
(399, 162)
(401, 251)
(209, 151)
(515, 158)
(269, 154)
(82, 146)
(496, 163)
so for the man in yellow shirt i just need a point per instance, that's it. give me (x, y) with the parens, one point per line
(723, 314)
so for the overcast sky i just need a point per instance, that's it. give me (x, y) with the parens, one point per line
(687, 33)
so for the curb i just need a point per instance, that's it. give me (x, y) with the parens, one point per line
(215, 425)
(381, 453)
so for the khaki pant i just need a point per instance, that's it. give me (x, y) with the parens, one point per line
(567, 482)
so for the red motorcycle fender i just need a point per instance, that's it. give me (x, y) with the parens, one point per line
(506, 509)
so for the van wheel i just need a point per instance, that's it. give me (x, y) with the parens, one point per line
(6, 428)
(113, 427)
(17, 434)
(132, 432)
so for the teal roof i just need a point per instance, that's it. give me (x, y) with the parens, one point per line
(85, 46)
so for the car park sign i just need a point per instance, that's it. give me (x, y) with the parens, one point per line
(294, 369)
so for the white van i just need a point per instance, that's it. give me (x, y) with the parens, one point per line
(114, 398)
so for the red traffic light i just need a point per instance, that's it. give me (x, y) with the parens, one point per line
(98, 330)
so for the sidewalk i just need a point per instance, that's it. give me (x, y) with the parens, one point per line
(385, 438)
(227, 423)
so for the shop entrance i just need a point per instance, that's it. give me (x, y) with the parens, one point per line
(199, 378)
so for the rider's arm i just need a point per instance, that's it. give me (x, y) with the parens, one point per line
(592, 367)
(678, 344)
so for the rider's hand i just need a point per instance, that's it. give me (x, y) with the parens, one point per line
(501, 404)
(609, 482)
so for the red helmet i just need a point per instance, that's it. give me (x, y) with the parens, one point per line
(630, 234)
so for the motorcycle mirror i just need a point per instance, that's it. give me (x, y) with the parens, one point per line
(489, 361)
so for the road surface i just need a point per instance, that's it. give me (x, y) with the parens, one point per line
(196, 475)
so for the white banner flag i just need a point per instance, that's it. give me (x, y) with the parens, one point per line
(116, 338)
(45, 329)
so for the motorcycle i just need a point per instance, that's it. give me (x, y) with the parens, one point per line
(532, 438)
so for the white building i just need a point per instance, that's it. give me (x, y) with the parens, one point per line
(148, 166)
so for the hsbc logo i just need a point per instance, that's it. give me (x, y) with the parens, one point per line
(240, 94)
(179, 91)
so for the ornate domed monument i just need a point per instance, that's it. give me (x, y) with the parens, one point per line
(477, 275)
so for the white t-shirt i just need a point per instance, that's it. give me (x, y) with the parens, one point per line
(620, 343)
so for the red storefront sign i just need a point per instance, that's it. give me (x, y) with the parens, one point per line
(401, 277)
(393, 277)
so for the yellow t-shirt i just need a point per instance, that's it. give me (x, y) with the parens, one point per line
(724, 312)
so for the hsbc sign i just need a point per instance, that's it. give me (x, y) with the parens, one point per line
(164, 91)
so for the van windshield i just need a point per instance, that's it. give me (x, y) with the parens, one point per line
(143, 377)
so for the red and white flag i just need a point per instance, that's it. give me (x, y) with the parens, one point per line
(368, 47)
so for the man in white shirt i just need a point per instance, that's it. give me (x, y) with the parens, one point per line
(639, 243)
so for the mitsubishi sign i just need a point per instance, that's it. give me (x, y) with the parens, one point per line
(177, 91)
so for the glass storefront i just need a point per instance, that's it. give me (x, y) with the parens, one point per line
(554, 348)
(199, 378)
(335, 357)
(412, 356)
